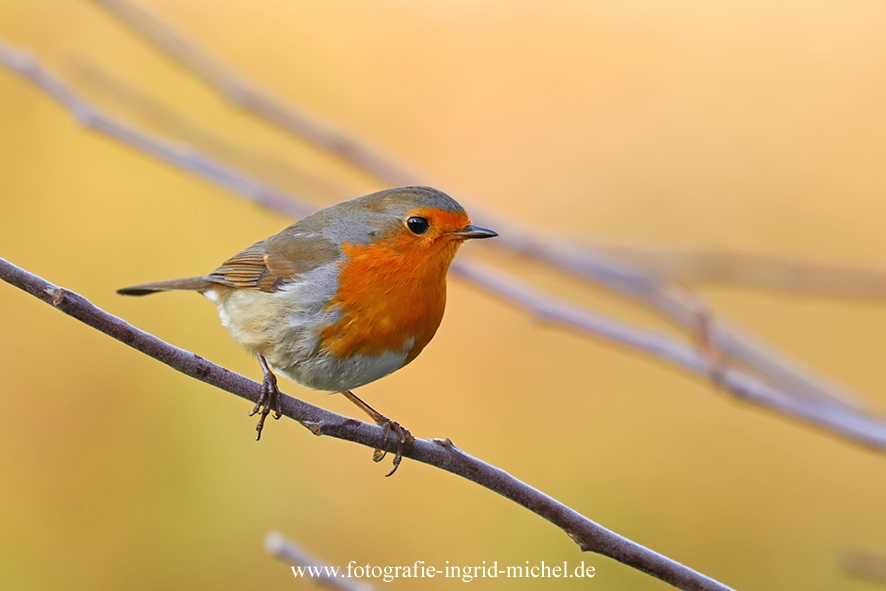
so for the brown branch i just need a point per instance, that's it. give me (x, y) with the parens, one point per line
(161, 117)
(866, 565)
(697, 265)
(178, 155)
(846, 422)
(316, 570)
(442, 454)
(247, 96)
(834, 417)
(651, 288)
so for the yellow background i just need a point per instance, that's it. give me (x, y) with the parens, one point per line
(754, 126)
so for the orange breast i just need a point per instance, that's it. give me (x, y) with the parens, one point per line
(388, 294)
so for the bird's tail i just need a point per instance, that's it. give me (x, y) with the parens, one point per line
(189, 284)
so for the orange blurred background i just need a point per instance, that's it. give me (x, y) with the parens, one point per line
(758, 127)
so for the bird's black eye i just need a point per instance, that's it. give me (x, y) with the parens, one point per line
(417, 225)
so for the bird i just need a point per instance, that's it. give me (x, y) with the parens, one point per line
(342, 297)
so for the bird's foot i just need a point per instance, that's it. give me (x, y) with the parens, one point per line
(404, 441)
(404, 437)
(269, 400)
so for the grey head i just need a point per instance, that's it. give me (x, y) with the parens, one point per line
(367, 218)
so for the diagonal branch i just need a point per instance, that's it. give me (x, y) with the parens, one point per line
(245, 94)
(316, 570)
(89, 117)
(265, 164)
(864, 564)
(686, 264)
(678, 305)
(442, 454)
(832, 417)
(840, 419)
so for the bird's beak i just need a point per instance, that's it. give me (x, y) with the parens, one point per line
(473, 231)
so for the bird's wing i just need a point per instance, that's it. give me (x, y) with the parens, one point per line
(270, 264)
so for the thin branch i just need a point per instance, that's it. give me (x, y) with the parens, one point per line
(294, 555)
(182, 156)
(244, 94)
(442, 454)
(680, 306)
(842, 420)
(830, 416)
(696, 265)
(866, 565)
(261, 163)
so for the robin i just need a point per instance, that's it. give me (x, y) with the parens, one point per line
(342, 297)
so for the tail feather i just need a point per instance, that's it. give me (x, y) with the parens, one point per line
(189, 284)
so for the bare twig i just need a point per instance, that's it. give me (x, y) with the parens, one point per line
(680, 306)
(864, 564)
(261, 163)
(694, 265)
(589, 535)
(243, 93)
(316, 570)
(568, 255)
(832, 416)
(89, 117)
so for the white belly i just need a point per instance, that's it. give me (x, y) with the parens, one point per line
(327, 372)
(285, 328)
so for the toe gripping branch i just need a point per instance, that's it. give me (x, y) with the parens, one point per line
(269, 400)
(404, 437)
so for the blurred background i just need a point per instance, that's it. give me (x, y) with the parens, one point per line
(751, 127)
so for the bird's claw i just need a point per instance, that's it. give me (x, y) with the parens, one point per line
(404, 442)
(269, 400)
(404, 437)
